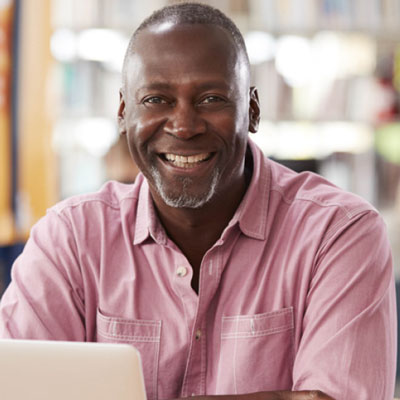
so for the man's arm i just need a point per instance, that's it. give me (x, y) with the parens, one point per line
(348, 341)
(44, 299)
(347, 345)
(278, 395)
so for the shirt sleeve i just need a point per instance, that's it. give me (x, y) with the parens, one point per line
(44, 299)
(349, 339)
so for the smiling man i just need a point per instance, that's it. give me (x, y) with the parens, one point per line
(186, 107)
(232, 275)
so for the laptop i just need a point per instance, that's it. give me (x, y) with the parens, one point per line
(47, 370)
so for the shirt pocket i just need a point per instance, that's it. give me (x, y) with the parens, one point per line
(144, 335)
(256, 352)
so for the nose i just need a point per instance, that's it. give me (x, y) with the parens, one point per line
(184, 121)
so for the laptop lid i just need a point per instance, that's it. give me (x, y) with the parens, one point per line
(47, 370)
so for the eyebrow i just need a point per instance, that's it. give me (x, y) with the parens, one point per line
(155, 86)
(201, 86)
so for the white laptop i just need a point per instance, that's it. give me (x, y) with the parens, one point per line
(44, 370)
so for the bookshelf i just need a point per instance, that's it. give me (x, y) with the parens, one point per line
(334, 120)
(349, 49)
(377, 17)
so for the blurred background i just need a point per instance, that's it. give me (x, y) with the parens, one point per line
(328, 74)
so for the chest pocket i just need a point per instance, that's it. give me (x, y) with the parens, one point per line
(256, 352)
(144, 335)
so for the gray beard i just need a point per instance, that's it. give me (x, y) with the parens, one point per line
(184, 199)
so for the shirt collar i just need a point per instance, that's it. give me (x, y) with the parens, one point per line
(147, 221)
(251, 214)
(252, 211)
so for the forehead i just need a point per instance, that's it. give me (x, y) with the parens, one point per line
(175, 37)
(173, 51)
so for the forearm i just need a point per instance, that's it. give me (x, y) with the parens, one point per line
(276, 395)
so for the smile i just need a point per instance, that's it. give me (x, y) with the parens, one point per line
(186, 161)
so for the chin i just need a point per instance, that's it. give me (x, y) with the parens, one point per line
(185, 198)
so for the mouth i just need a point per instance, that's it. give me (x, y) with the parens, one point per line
(186, 162)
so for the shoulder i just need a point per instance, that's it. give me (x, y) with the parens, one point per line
(110, 198)
(303, 204)
(316, 210)
(90, 214)
(83, 224)
(311, 191)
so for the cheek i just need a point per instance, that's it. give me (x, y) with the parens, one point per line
(233, 127)
(142, 121)
(242, 117)
(139, 127)
(137, 144)
(140, 131)
(239, 139)
(133, 149)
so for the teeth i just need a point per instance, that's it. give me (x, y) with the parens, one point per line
(186, 161)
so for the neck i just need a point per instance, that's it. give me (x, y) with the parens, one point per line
(195, 231)
(213, 216)
(211, 219)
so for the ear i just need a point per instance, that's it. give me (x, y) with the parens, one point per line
(121, 114)
(254, 110)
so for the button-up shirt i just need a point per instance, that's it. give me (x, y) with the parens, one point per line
(298, 292)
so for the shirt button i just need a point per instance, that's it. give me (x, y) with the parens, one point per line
(198, 334)
(181, 271)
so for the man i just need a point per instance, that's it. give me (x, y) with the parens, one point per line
(231, 274)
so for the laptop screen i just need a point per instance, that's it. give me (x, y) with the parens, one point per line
(47, 370)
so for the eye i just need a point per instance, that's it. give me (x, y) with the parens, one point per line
(154, 100)
(212, 99)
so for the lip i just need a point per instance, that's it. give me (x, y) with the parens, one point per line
(196, 169)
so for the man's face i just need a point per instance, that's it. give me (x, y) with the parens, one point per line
(186, 110)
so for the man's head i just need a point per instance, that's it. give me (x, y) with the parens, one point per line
(188, 13)
(187, 106)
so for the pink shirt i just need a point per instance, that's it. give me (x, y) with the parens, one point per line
(298, 293)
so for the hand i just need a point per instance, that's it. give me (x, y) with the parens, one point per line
(279, 395)
(303, 395)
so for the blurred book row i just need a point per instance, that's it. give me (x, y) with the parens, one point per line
(327, 71)
(379, 16)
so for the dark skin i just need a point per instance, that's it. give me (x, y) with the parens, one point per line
(206, 228)
(276, 395)
(181, 100)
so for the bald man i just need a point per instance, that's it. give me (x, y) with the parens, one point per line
(231, 274)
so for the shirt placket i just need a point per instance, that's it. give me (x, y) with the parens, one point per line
(194, 382)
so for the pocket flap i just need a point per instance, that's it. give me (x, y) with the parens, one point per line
(257, 324)
(132, 329)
